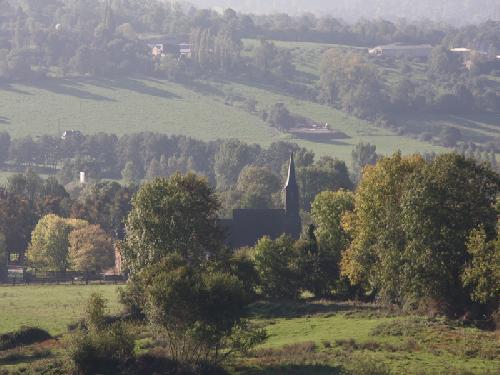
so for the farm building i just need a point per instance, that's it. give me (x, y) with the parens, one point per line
(394, 50)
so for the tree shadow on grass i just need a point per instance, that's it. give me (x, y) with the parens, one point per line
(135, 85)
(204, 88)
(293, 370)
(268, 310)
(8, 87)
(69, 87)
(332, 142)
(17, 358)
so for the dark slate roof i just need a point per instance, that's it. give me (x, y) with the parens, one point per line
(249, 225)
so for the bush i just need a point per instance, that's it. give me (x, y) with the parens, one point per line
(367, 366)
(100, 351)
(198, 312)
(23, 336)
(100, 346)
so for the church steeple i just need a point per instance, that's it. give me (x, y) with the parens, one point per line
(291, 180)
(292, 207)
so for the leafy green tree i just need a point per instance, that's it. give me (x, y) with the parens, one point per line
(49, 245)
(277, 156)
(411, 224)
(280, 117)
(373, 258)
(230, 159)
(482, 273)
(106, 204)
(327, 211)
(327, 174)
(256, 187)
(17, 220)
(200, 312)
(264, 55)
(443, 202)
(131, 173)
(442, 61)
(275, 261)
(91, 249)
(174, 215)
(449, 136)
(363, 154)
(321, 253)
(350, 82)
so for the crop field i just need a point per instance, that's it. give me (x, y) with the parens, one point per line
(304, 337)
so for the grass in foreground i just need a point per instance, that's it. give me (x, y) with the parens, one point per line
(50, 307)
(304, 337)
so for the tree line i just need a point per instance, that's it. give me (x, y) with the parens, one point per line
(106, 38)
(415, 232)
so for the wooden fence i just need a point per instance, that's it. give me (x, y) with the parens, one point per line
(19, 276)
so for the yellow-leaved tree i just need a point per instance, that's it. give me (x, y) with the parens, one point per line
(48, 250)
(91, 249)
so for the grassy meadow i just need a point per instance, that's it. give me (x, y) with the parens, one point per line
(202, 109)
(51, 307)
(199, 110)
(306, 337)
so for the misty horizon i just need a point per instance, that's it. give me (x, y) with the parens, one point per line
(454, 12)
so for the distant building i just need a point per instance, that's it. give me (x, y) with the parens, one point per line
(185, 50)
(157, 50)
(71, 134)
(395, 50)
(180, 50)
(249, 225)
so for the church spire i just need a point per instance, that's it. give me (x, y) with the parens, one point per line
(291, 180)
(292, 208)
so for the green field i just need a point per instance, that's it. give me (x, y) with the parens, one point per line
(201, 109)
(304, 337)
(137, 104)
(51, 307)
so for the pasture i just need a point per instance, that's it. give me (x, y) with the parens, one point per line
(199, 110)
(51, 307)
(305, 337)
(202, 109)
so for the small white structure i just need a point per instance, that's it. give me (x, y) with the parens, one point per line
(83, 178)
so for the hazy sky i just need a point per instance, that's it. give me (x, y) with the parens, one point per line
(454, 11)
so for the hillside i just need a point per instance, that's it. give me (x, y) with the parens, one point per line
(138, 104)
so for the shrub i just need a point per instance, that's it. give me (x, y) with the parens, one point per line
(23, 336)
(199, 312)
(100, 351)
(132, 298)
(100, 347)
(367, 366)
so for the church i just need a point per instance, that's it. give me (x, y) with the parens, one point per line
(249, 225)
